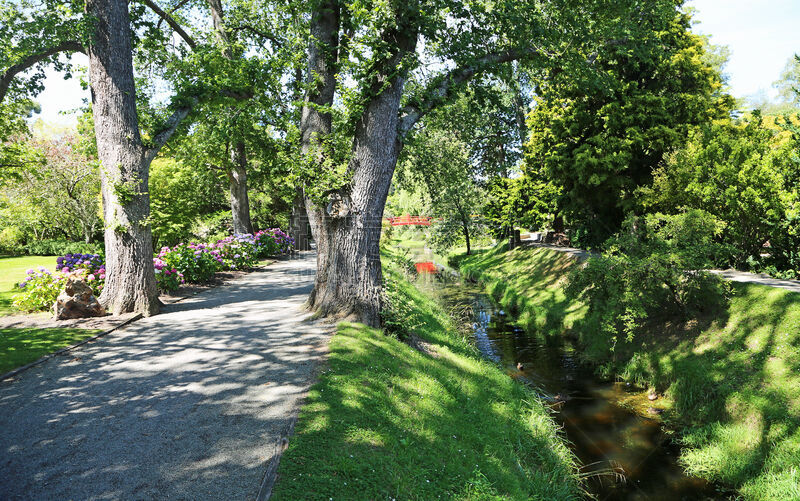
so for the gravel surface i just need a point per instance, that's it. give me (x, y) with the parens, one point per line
(189, 404)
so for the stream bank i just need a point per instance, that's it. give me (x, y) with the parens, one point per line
(388, 421)
(729, 384)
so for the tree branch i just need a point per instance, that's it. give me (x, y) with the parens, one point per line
(171, 21)
(160, 139)
(8, 76)
(440, 89)
(172, 11)
(246, 27)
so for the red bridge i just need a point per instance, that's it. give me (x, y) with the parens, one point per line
(407, 220)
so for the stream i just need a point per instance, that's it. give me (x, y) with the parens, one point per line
(624, 454)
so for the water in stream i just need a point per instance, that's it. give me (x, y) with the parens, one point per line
(625, 456)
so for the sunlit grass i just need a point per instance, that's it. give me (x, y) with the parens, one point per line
(22, 346)
(13, 271)
(386, 421)
(732, 380)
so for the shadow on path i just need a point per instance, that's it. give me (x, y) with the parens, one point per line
(188, 404)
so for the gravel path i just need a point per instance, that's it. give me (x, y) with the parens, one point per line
(189, 404)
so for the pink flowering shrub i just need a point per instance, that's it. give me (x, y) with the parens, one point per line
(41, 288)
(238, 252)
(271, 242)
(167, 278)
(197, 263)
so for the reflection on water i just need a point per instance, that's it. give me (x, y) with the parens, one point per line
(625, 456)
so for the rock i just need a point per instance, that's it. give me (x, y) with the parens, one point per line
(652, 396)
(655, 411)
(77, 301)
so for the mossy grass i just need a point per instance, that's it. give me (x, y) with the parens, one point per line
(23, 346)
(386, 421)
(731, 380)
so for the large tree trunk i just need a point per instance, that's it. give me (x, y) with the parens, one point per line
(240, 203)
(130, 277)
(348, 283)
(298, 222)
(316, 122)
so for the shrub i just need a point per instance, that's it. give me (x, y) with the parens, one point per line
(214, 226)
(41, 288)
(61, 247)
(11, 240)
(272, 241)
(92, 262)
(238, 252)
(196, 262)
(654, 266)
(167, 278)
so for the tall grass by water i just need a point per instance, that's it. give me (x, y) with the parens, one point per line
(387, 421)
(731, 380)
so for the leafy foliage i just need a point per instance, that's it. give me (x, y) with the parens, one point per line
(598, 134)
(745, 176)
(653, 268)
(57, 197)
(437, 165)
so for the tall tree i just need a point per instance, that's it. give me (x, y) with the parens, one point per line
(437, 164)
(391, 93)
(599, 133)
(788, 85)
(124, 161)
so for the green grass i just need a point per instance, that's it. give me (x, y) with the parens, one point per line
(12, 271)
(732, 381)
(386, 421)
(22, 346)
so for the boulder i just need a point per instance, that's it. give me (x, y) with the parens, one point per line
(77, 301)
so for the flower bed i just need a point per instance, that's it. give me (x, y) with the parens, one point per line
(192, 262)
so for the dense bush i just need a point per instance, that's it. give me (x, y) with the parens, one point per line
(92, 262)
(197, 262)
(167, 277)
(746, 175)
(41, 288)
(11, 240)
(238, 252)
(174, 266)
(60, 248)
(653, 268)
(273, 241)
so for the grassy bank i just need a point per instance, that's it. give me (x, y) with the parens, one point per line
(13, 271)
(732, 381)
(386, 421)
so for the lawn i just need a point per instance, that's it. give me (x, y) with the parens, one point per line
(13, 270)
(732, 381)
(21, 346)
(387, 421)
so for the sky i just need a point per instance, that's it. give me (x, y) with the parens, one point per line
(762, 36)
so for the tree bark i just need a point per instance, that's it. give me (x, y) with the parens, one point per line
(316, 120)
(240, 202)
(465, 229)
(298, 222)
(237, 174)
(130, 278)
(349, 279)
